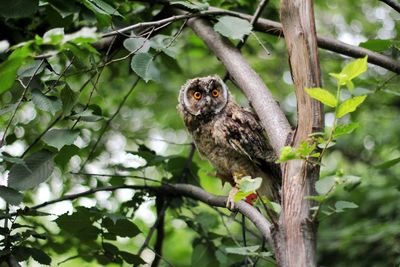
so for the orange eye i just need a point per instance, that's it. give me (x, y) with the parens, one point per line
(215, 93)
(197, 95)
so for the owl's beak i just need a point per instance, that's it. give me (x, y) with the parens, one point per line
(208, 99)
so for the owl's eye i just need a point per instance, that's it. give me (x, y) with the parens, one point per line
(197, 95)
(215, 93)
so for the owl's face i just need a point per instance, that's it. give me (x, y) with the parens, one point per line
(204, 96)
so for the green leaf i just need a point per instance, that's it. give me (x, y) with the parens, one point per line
(325, 185)
(247, 184)
(60, 137)
(65, 155)
(7, 108)
(68, 99)
(232, 27)
(245, 251)
(287, 153)
(53, 36)
(9, 68)
(18, 8)
(40, 256)
(124, 228)
(131, 258)
(101, 7)
(64, 8)
(162, 43)
(143, 65)
(351, 182)
(388, 164)
(137, 45)
(351, 71)
(322, 95)
(350, 105)
(46, 103)
(191, 6)
(207, 220)
(28, 70)
(377, 45)
(201, 255)
(38, 167)
(10, 195)
(345, 129)
(341, 205)
(305, 149)
(318, 198)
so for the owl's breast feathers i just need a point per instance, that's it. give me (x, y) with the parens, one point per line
(234, 141)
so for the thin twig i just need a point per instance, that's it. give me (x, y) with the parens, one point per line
(160, 217)
(120, 176)
(108, 122)
(19, 103)
(41, 135)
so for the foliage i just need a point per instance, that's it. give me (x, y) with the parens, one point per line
(75, 118)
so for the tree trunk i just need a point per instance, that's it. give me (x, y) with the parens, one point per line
(295, 238)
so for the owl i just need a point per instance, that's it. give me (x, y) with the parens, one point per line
(229, 136)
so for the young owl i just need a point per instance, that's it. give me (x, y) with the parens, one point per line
(228, 135)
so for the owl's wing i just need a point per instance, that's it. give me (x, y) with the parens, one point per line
(242, 131)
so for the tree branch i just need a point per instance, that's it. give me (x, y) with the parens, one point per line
(328, 43)
(171, 190)
(295, 239)
(393, 4)
(271, 116)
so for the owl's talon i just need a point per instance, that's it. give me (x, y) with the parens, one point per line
(230, 203)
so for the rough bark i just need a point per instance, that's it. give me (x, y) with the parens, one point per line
(295, 238)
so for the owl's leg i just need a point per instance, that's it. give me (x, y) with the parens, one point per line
(230, 203)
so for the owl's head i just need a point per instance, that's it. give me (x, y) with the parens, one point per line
(204, 96)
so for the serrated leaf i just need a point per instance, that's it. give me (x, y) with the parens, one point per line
(322, 95)
(68, 99)
(232, 27)
(137, 45)
(46, 103)
(10, 195)
(162, 43)
(325, 185)
(247, 184)
(18, 8)
(38, 167)
(388, 164)
(345, 129)
(341, 205)
(377, 45)
(60, 137)
(350, 105)
(28, 70)
(250, 250)
(143, 65)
